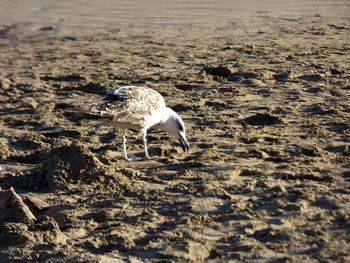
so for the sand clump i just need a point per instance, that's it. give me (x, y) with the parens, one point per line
(69, 163)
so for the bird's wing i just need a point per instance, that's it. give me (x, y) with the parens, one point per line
(128, 104)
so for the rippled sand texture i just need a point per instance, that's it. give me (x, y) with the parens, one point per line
(263, 88)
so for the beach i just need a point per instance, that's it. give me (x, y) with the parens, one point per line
(263, 88)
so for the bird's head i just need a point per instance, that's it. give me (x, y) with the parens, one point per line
(174, 125)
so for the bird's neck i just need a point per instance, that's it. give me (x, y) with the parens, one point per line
(167, 113)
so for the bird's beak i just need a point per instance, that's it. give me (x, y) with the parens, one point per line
(184, 143)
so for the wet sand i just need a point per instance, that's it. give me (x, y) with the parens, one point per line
(264, 91)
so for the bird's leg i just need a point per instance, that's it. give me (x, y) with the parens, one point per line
(144, 140)
(124, 147)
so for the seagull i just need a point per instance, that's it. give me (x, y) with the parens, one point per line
(139, 108)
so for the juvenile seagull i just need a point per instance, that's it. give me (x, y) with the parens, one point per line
(139, 108)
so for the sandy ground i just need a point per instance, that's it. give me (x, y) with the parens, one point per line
(264, 91)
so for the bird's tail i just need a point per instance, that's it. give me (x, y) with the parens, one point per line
(81, 114)
(88, 115)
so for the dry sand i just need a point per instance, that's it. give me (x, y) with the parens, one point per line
(263, 87)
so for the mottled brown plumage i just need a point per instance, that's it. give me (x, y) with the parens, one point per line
(129, 106)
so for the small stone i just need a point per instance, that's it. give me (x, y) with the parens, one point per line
(278, 189)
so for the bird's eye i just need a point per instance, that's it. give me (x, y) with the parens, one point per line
(181, 128)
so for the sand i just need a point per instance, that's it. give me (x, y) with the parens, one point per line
(263, 87)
